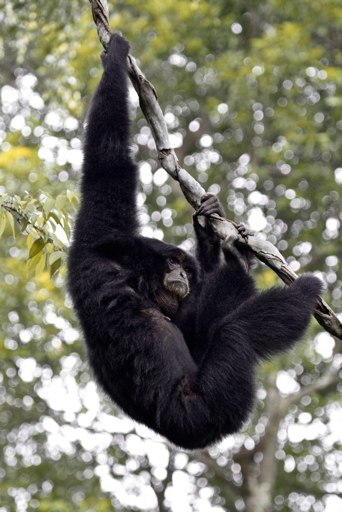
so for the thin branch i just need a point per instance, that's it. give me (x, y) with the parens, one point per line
(192, 190)
(21, 217)
(24, 221)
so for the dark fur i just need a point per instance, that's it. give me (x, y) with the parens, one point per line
(190, 378)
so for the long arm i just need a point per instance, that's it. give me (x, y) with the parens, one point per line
(108, 127)
(109, 174)
(208, 249)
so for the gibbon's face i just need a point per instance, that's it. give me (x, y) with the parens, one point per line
(175, 279)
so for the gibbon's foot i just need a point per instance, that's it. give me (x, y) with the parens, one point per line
(244, 231)
(309, 286)
(240, 250)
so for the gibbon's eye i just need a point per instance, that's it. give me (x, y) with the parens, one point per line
(172, 261)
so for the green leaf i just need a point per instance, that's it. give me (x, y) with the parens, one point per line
(73, 198)
(55, 266)
(2, 222)
(60, 202)
(55, 218)
(23, 224)
(41, 264)
(33, 262)
(11, 222)
(55, 256)
(70, 195)
(48, 205)
(36, 247)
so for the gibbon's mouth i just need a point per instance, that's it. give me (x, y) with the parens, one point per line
(178, 288)
(177, 281)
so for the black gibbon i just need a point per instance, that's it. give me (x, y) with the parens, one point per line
(174, 340)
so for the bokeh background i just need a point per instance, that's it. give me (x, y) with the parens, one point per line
(252, 95)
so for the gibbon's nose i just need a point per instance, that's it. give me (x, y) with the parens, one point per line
(183, 274)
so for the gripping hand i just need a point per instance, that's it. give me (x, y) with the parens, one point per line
(210, 205)
(118, 50)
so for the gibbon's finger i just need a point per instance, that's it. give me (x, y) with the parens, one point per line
(211, 202)
(244, 231)
(207, 196)
(209, 209)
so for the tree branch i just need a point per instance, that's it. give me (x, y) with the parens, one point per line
(23, 218)
(192, 190)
